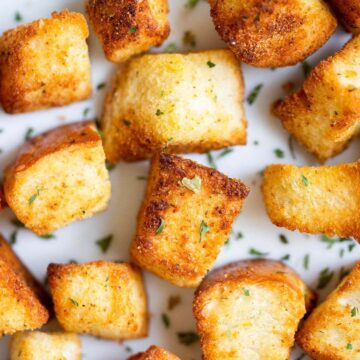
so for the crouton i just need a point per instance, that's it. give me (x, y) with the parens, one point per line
(21, 297)
(45, 63)
(316, 200)
(154, 353)
(185, 218)
(129, 27)
(331, 332)
(324, 114)
(348, 11)
(249, 310)
(45, 346)
(273, 33)
(58, 177)
(100, 298)
(152, 106)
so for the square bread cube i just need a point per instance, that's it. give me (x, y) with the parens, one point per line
(100, 298)
(348, 12)
(154, 353)
(45, 63)
(128, 27)
(185, 102)
(22, 300)
(185, 218)
(58, 177)
(45, 346)
(249, 310)
(331, 332)
(324, 114)
(315, 200)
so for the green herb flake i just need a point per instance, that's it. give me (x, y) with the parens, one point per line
(133, 29)
(279, 153)
(189, 38)
(109, 166)
(190, 4)
(285, 257)
(104, 243)
(86, 112)
(256, 252)
(47, 236)
(72, 261)
(254, 94)
(210, 160)
(304, 180)
(306, 261)
(128, 349)
(173, 301)
(239, 235)
(332, 241)
(349, 346)
(74, 302)
(306, 68)
(204, 229)
(28, 134)
(142, 177)
(193, 184)
(291, 147)
(101, 86)
(159, 112)
(170, 48)
(188, 338)
(161, 227)
(354, 311)
(246, 291)
(325, 277)
(165, 319)
(34, 196)
(210, 64)
(283, 239)
(18, 16)
(225, 152)
(13, 237)
(17, 223)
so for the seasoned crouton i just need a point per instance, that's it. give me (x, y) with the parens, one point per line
(331, 332)
(154, 353)
(45, 63)
(20, 295)
(249, 310)
(152, 105)
(58, 177)
(100, 298)
(185, 218)
(324, 114)
(348, 12)
(45, 346)
(128, 27)
(314, 200)
(273, 33)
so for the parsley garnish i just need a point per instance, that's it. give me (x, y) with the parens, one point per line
(85, 112)
(256, 252)
(332, 241)
(193, 184)
(28, 133)
(128, 349)
(306, 68)
(283, 239)
(104, 243)
(165, 320)
(210, 160)
(13, 237)
(285, 257)
(109, 166)
(17, 223)
(325, 277)
(246, 291)
(291, 147)
(254, 94)
(210, 64)
(74, 302)
(18, 17)
(34, 196)
(170, 48)
(239, 235)
(47, 236)
(225, 152)
(279, 153)
(204, 229)
(304, 180)
(101, 86)
(161, 227)
(159, 112)
(306, 261)
(354, 311)
(133, 29)
(190, 4)
(142, 177)
(188, 338)
(189, 38)
(349, 346)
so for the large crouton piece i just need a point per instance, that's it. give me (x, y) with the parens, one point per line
(45, 346)
(152, 105)
(316, 200)
(331, 332)
(154, 353)
(272, 33)
(249, 310)
(58, 177)
(128, 27)
(348, 12)
(45, 63)
(324, 114)
(22, 299)
(185, 218)
(100, 298)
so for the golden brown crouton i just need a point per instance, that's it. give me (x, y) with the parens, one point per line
(100, 298)
(314, 200)
(45, 346)
(45, 63)
(331, 332)
(154, 353)
(348, 12)
(21, 296)
(324, 114)
(185, 218)
(128, 27)
(269, 33)
(249, 310)
(58, 177)
(152, 105)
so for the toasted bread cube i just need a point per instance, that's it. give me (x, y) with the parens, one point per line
(58, 177)
(45, 346)
(273, 33)
(185, 218)
(249, 310)
(315, 200)
(45, 63)
(154, 353)
(324, 114)
(100, 298)
(128, 27)
(348, 11)
(21, 297)
(152, 105)
(332, 329)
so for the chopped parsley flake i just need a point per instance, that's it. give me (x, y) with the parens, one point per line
(246, 291)
(142, 177)
(86, 112)
(165, 320)
(17, 223)
(225, 152)
(13, 237)
(306, 261)
(159, 112)
(285, 257)
(354, 311)
(170, 48)
(189, 38)
(283, 239)
(74, 302)
(306, 68)
(133, 29)
(254, 94)
(210, 160)
(18, 17)
(204, 229)
(109, 166)
(349, 346)
(256, 252)
(34, 196)
(190, 4)
(304, 180)
(332, 241)
(291, 147)
(104, 243)
(210, 64)
(188, 338)
(29, 133)
(279, 153)
(101, 86)
(161, 227)
(193, 184)
(325, 277)
(47, 236)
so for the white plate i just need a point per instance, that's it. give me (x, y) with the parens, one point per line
(77, 241)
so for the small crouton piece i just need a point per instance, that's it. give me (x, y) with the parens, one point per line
(152, 106)
(331, 332)
(128, 27)
(100, 298)
(249, 310)
(315, 200)
(45, 63)
(185, 218)
(22, 299)
(267, 33)
(45, 346)
(348, 12)
(58, 177)
(324, 114)
(154, 353)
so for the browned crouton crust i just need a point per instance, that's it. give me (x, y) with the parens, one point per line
(154, 353)
(348, 11)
